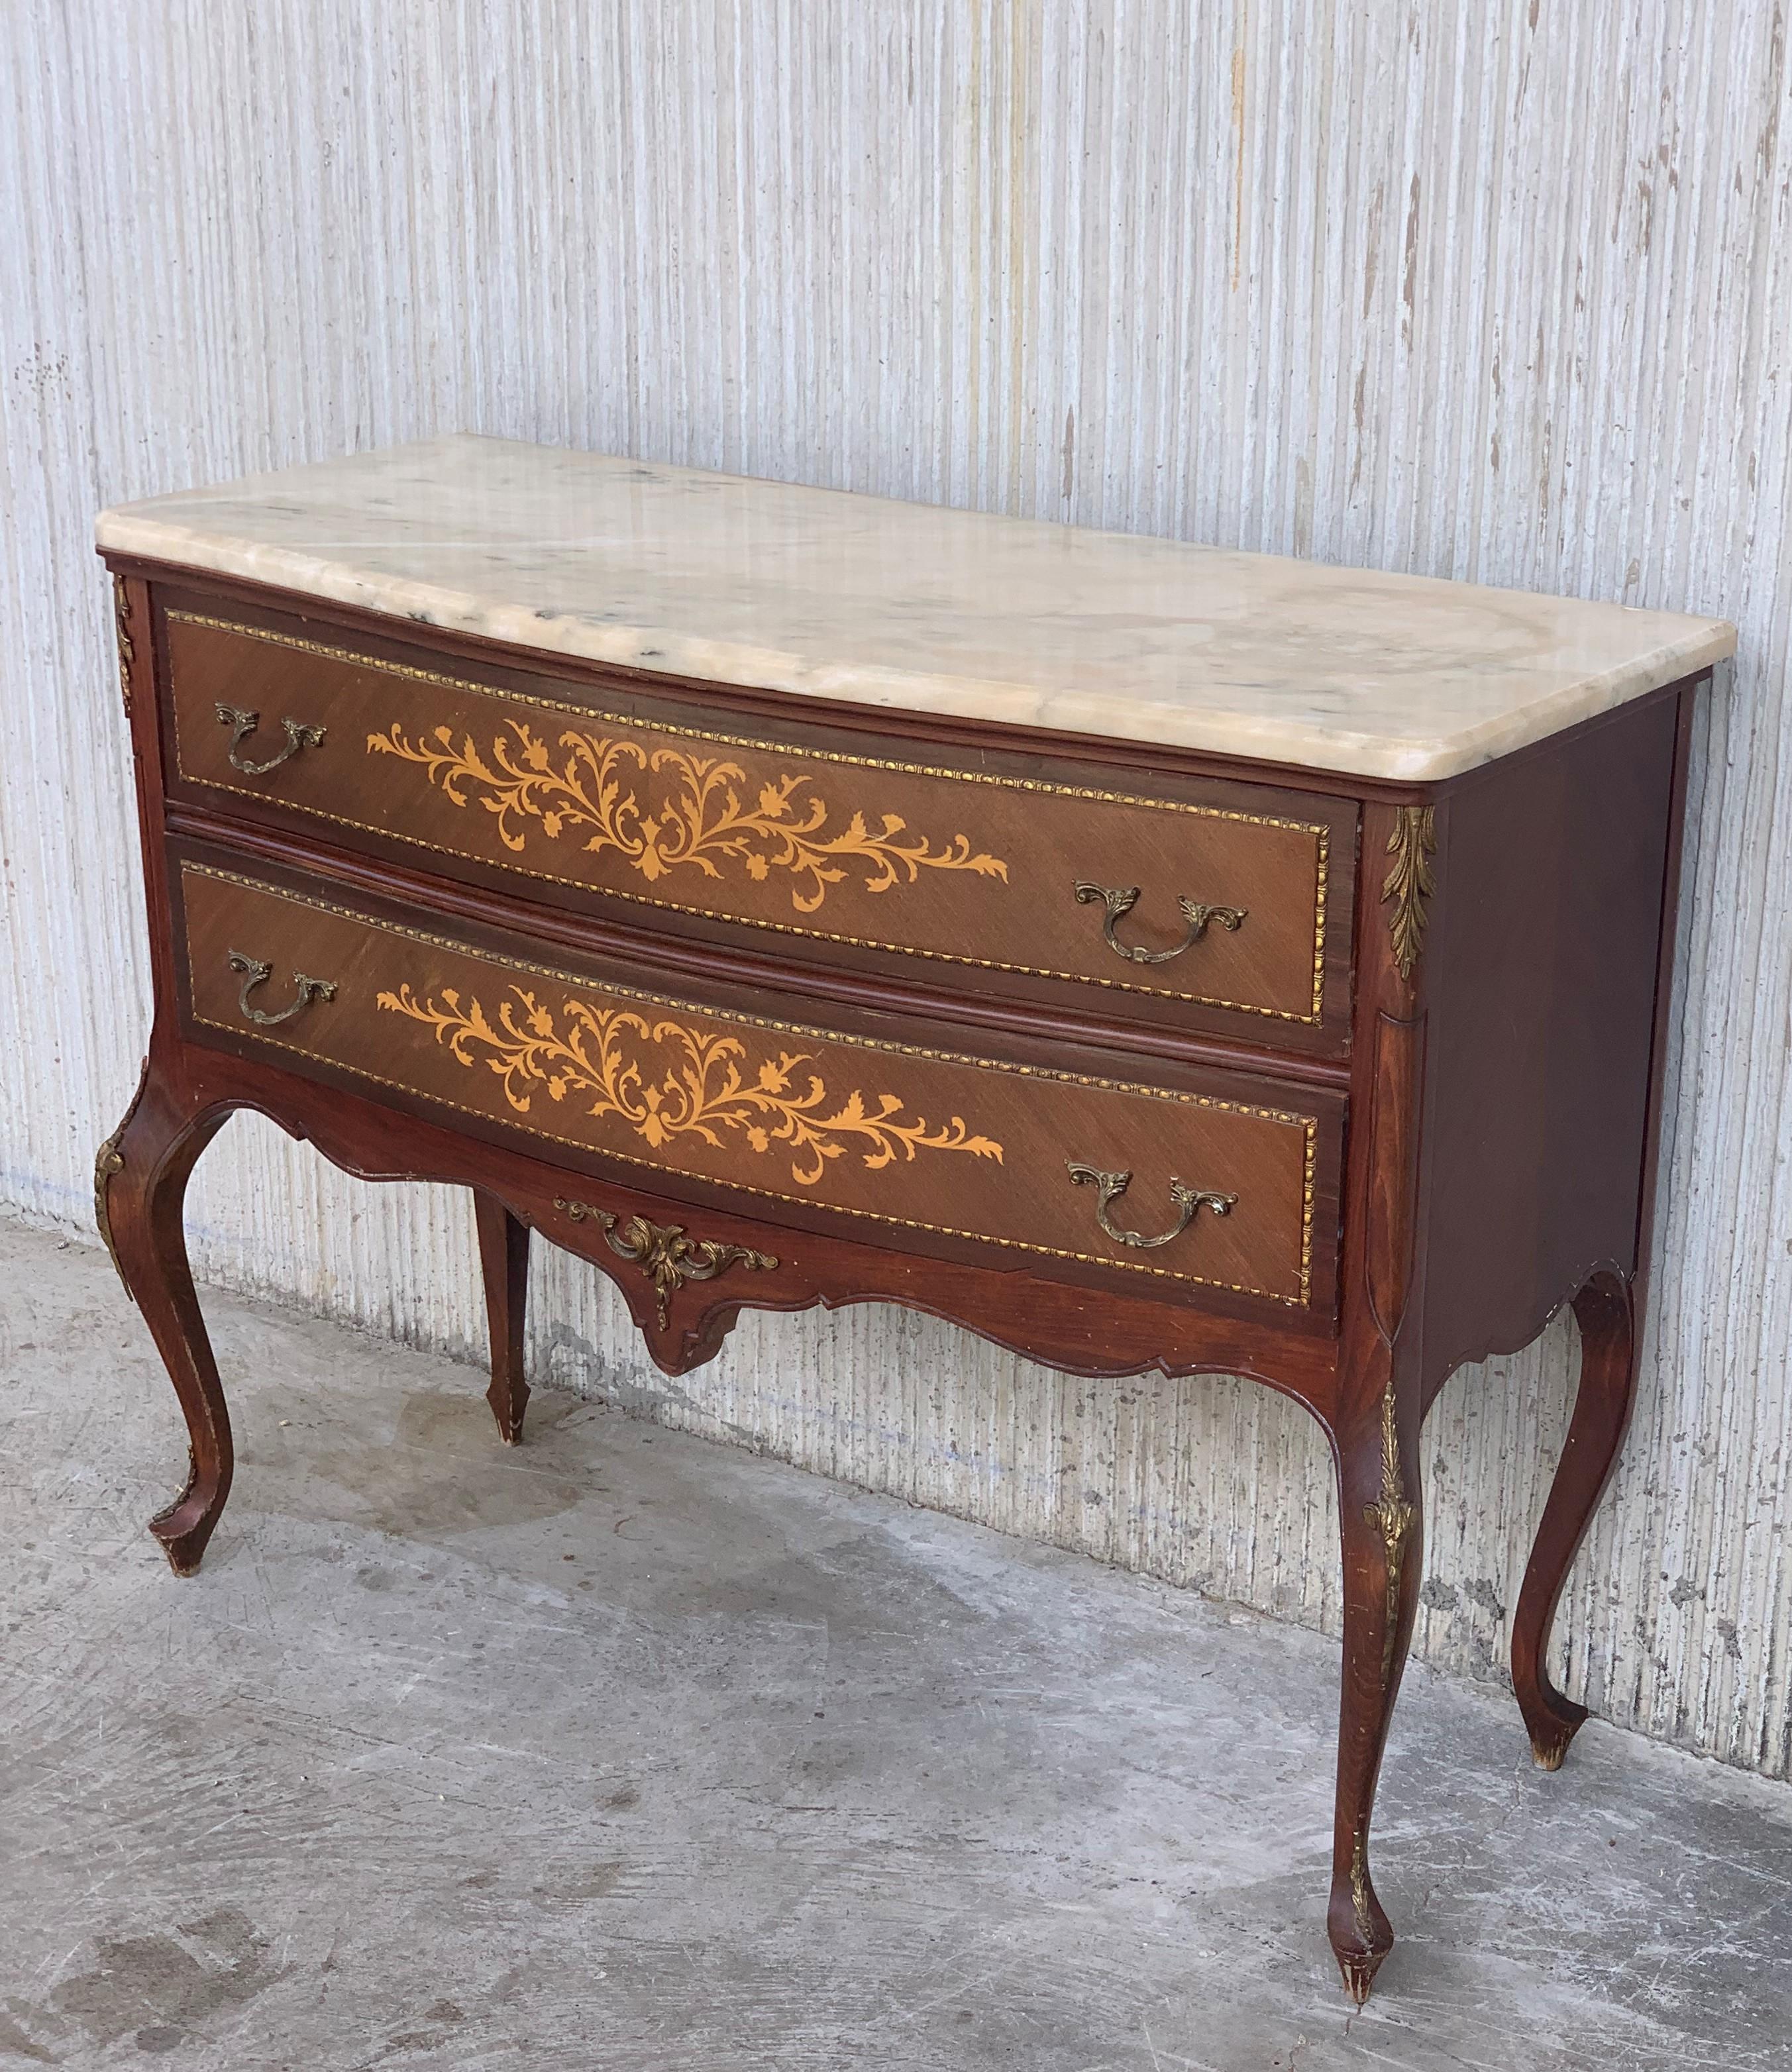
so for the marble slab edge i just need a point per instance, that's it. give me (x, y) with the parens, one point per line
(1204, 729)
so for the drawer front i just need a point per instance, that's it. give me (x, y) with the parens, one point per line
(898, 1134)
(1224, 901)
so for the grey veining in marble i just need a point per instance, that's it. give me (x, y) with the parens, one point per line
(877, 602)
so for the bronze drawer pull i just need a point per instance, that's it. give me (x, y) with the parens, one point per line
(243, 724)
(1120, 899)
(254, 973)
(1110, 1186)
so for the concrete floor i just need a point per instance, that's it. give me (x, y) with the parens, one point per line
(626, 1750)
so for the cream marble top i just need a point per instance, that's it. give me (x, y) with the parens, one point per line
(828, 595)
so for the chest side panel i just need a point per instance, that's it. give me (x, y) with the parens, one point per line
(1551, 872)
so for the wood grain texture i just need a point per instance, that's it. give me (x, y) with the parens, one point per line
(1604, 1396)
(822, 846)
(412, 1042)
(1392, 223)
(192, 1090)
(504, 1264)
(1553, 872)
(900, 1130)
(1380, 1397)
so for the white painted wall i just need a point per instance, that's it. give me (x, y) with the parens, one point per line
(1500, 292)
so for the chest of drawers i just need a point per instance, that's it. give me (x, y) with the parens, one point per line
(1152, 958)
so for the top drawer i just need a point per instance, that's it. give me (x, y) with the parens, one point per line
(1198, 902)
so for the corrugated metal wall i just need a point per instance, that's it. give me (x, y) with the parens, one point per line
(1501, 293)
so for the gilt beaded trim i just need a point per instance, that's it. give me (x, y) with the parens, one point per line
(1319, 830)
(1307, 1124)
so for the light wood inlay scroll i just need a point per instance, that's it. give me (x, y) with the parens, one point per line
(669, 1078)
(581, 786)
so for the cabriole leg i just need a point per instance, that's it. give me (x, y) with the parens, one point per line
(1606, 1311)
(504, 1260)
(1382, 1530)
(139, 1185)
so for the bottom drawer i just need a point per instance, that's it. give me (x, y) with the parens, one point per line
(1222, 1190)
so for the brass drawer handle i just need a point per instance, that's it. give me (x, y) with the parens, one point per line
(254, 973)
(1120, 899)
(243, 724)
(1110, 1186)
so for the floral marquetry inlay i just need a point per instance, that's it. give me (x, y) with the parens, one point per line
(667, 1080)
(585, 786)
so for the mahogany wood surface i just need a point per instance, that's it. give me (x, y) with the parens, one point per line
(504, 1262)
(828, 843)
(1459, 1139)
(908, 1133)
(1606, 1311)
(1546, 956)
